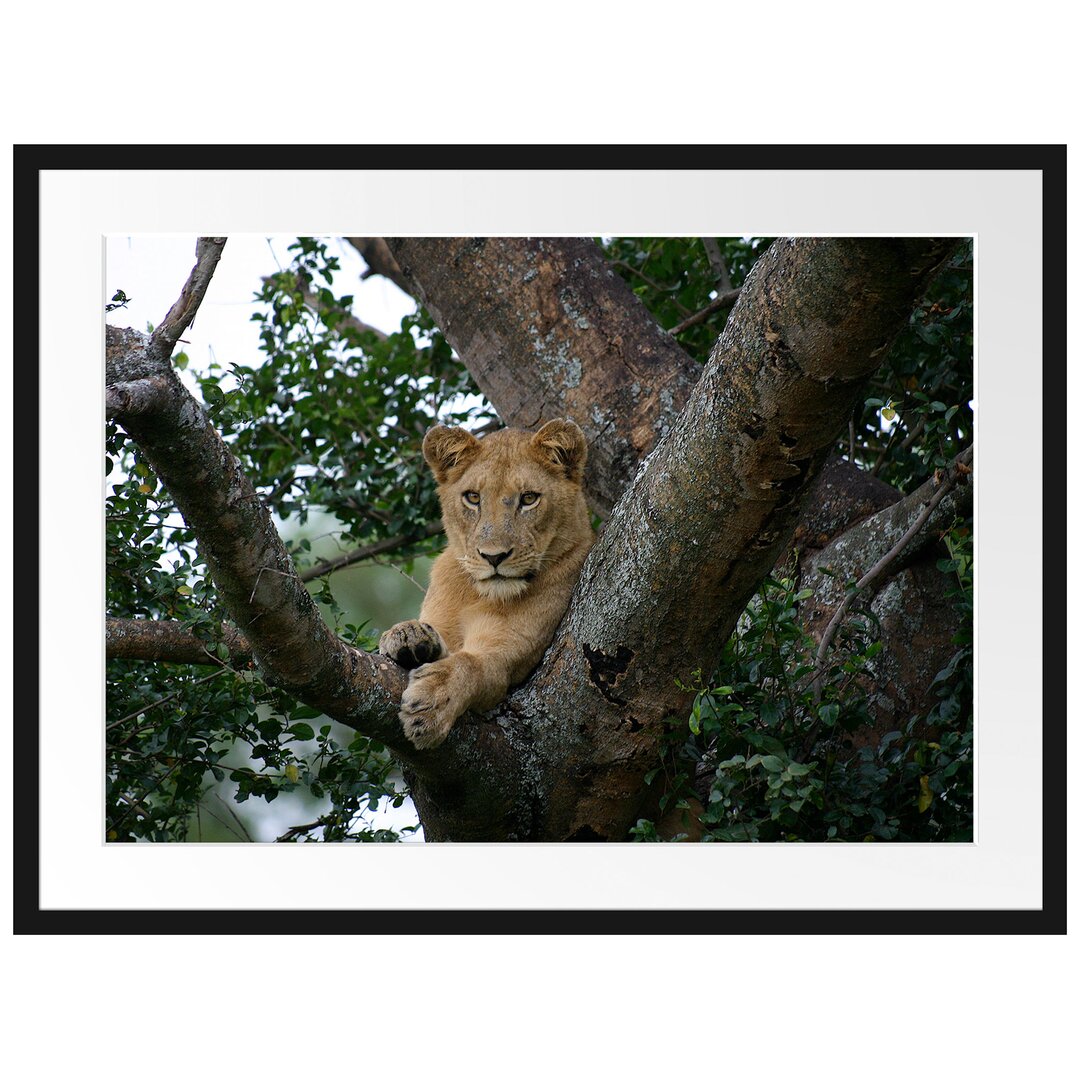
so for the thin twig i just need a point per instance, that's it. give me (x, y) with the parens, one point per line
(652, 284)
(724, 299)
(127, 813)
(182, 313)
(265, 570)
(165, 700)
(394, 566)
(297, 830)
(380, 547)
(233, 814)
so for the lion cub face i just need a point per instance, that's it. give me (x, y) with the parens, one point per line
(511, 502)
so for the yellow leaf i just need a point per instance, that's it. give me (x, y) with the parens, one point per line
(925, 795)
(292, 773)
(145, 489)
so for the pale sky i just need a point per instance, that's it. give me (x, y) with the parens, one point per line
(152, 271)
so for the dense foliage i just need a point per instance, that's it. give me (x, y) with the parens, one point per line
(331, 420)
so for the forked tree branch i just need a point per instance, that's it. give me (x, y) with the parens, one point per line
(248, 562)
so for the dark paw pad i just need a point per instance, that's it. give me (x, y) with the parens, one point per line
(411, 644)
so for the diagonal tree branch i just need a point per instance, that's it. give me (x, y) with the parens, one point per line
(368, 551)
(180, 316)
(717, 262)
(253, 572)
(723, 300)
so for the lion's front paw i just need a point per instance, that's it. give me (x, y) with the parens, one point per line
(411, 644)
(428, 708)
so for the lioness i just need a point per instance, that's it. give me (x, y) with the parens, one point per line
(518, 532)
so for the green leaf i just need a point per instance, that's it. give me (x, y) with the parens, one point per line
(828, 713)
(301, 731)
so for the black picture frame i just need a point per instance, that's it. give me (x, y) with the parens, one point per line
(30, 918)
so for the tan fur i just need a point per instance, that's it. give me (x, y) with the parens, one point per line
(483, 627)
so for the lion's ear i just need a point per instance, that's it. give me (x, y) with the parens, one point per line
(562, 443)
(447, 449)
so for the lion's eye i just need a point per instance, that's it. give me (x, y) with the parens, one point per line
(530, 498)
(471, 497)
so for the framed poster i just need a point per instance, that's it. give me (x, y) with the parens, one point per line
(996, 200)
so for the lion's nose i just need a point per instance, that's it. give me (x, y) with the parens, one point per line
(497, 558)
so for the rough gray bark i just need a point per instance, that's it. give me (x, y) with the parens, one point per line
(547, 329)
(702, 522)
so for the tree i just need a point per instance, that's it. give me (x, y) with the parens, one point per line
(770, 639)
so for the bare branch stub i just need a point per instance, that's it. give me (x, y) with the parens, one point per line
(180, 316)
(368, 551)
(139, 396)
